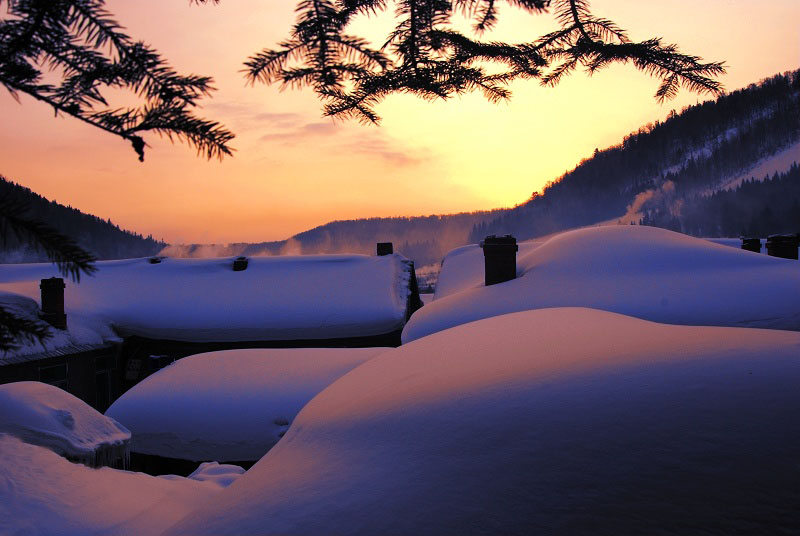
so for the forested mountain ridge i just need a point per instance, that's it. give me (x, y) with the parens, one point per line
(100, 237)
(691, 153)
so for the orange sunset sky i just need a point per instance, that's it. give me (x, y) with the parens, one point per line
(294, 169)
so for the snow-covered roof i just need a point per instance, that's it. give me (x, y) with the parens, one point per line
(645, 272)
(232, 405)
(45, 415)
(554, 421)
(83, 333)
(275, 298)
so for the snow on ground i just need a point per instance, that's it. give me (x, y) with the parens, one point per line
(232, 405)
(275, 298)
(44, 494)
(556, 421)
(635, 270)
(81, 329)
(44, 415)
(776, 163)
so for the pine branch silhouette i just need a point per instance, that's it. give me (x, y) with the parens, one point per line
(426, 56)
(80, 42)
(63, 251)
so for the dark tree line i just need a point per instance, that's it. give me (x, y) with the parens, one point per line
(756, 208)
(101, 238)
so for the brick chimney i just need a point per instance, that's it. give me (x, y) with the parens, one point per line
(53, 302)
(500, 257)
(385, 248)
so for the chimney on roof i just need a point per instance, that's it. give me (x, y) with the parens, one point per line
(53, 302)
(751, 244)
(385, 248)
(500, 257)
(784, 246)
(240, 264)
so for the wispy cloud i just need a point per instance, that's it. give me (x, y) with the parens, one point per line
(374, 142)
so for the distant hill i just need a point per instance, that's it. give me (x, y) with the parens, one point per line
(101, 237)
(656, 175)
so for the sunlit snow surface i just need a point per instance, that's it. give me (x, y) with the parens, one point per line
(275, 298)
(556, 421)
(639, 271)
(44, 494)
(45, 415)
(232, 405)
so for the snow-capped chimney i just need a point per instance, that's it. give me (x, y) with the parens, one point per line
(784, 246)
(239, 264)
(500, 256)
(53, 302)
(751, 244)
(385, 248)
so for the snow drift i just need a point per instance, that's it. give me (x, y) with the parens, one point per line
(556, 421)
(44, 415)
(232, 405)
(639, 271)
(44, 494)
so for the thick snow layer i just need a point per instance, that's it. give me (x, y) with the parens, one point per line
(44, 494)
(557, 421)
(81, 330)
(232, 405)
(275, 298)
(45, 415)
(639, 271)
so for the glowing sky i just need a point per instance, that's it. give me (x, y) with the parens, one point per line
(294, 169)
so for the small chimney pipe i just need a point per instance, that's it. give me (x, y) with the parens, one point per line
(500, 258)
(240, 264)
(385, 248)
(784, 246)
(751, 244)
(53, 302)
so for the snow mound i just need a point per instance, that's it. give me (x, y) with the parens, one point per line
(557, 421)
(44, 415)
(44, 494)
(221, 474)
(232, 405)
(275, 298)
(645, 272)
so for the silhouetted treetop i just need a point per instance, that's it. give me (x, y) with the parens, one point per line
(425, 55)
(67, 53)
